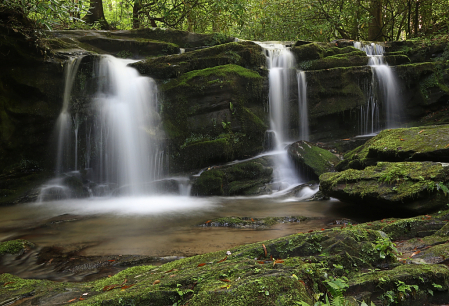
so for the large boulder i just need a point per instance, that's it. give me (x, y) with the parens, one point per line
(245, 54)
(138, 43)
(243, 178)
(310, 160)
(430, 143)
(214, 115)
(408, 186)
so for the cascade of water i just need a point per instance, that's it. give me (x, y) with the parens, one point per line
(281, 63)
(121, 144)
(124, 103)
(63, 124)
(383, 91)
(302, 101)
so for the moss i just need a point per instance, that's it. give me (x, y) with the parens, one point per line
(312, 160)
(390, 183)
(14, 246)
(417, 143)
(246, 178)
(219, 71)
(245, 54)
(210, 183)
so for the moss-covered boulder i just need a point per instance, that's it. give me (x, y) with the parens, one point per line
(134, 43)
(430, 143)
(15, 246)
(244, 178)
(213, 116)
(245, 54)
(315, 56)
(411, 186)
(310, 160)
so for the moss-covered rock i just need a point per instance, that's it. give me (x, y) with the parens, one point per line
(411, 186)
(245, 54)
(315, 56)
(311, 160)
(14, 246)
(140, 42)
(430, 143)
(214, 115)
(244, 178)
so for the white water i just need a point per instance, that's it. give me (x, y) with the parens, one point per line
(121, 148)
(302, 102)
(383, 92)
(281, 65)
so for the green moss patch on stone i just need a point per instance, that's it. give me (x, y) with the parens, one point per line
(14, 246)
(245, 54)
(407, 144)
(311, 160)
(245, 178)
(412, 185)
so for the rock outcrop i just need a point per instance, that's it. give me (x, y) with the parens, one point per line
(310, 160)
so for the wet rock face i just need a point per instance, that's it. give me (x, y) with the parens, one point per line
(410, 186)
(311, 160)
(245, 178)
(214, 115)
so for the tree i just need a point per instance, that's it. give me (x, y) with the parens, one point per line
(96, 14)
(375, 25)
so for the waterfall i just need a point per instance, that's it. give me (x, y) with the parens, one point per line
(302, 102)
(382, 93)
(121, 148)
(281, 65)
(63, 123)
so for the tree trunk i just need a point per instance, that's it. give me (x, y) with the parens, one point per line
(375, 25)
(136, 10)
(96, 14)
(416, 19)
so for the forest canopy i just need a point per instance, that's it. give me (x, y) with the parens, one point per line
(318, 20)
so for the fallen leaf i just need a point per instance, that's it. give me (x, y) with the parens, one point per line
(271, 257)
(49, 262)
(347, 139)
(261, 262)
(310, 231)
(265, 250)
(279, 261)
(252, 219)
(156, 282)
(109, 287)
(225, 280)
(127, 286)
(72, 300)
(420, 131)
(201, 264)
(8, 283)
(124, 282)
(446, 146)
(322, 229)
(415, 253)
(81, 299)
(226, 257)
(208, 221)
(369, 224)
(173, 275)
(85, 293)
(168, 271)
(402, 139)
(111, 260)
